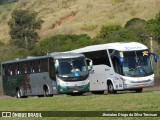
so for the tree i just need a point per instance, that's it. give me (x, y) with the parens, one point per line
(115, 33)
(60, 43)
(134, 23)
(153, 26)
(107, 30)
(23, 28)
(138, 27)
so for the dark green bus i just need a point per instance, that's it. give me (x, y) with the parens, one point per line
(57, 73)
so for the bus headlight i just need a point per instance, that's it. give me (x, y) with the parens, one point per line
(126, 80)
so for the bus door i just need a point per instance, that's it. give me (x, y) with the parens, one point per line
(117, 68)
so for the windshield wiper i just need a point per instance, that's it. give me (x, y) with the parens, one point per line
(140, 71)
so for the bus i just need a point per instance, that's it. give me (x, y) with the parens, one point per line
(56, 73)
(119, 66)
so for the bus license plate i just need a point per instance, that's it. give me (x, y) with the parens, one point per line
(75, 91)
(141, 85)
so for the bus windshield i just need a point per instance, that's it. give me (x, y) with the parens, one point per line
(136, 63)
(72, 69)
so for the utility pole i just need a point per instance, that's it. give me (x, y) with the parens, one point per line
(26, 42)
(151, 43)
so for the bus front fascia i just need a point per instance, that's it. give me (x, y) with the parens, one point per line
(150, 78)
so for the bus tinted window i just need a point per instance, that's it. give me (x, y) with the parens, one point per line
(98, 57)
(52, 69)
(14, 69)
(35, 66)
(21, 68)
(44, 65)
(10, 69)
(5, 70)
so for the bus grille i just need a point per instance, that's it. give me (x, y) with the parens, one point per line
(141, 81)
(75, 87)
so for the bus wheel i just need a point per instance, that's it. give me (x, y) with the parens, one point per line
(139, 90)
(76, 94)
(46, 94)
(46, 91)
(18, 93)
(111, 88)
(97, 92)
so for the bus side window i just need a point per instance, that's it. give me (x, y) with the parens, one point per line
(44, 65)
(10, 70)
(13, 69)
(31, 67)
(25, 67)
(98, 57)
(52, 69)
(5, 70)
(39, 65)
(18, 69)
(36, 66)
(21, 68)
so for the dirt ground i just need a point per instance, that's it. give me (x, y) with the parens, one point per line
(156, 85)
(149, 89)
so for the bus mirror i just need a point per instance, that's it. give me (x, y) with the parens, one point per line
(155, 57)
(90, 63)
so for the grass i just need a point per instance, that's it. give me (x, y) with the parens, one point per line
(5, 11)
(6, 7)
(89, 27)
(148, 101)
(98, 12)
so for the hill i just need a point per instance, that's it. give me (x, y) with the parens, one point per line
(80, 16)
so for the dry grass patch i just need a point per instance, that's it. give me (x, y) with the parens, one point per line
(98, 12)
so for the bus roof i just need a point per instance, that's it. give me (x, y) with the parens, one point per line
(66, 55)
(58, 55)
(120, 46)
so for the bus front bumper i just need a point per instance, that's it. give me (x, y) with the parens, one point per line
(73, 89)
(134, 85)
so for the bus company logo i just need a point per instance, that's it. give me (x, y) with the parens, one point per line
(6, 114)
(133, 48)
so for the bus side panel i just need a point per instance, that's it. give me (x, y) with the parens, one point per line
(37, 82)
(10, 83)
(117, 82)
(98, 77)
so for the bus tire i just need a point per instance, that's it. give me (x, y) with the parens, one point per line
(111, 88)
(139, 90)
(45, 91)
(46, 94)
(18, 93)
(97, 92)
(77, 94)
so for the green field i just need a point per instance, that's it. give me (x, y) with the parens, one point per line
(146, 101)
